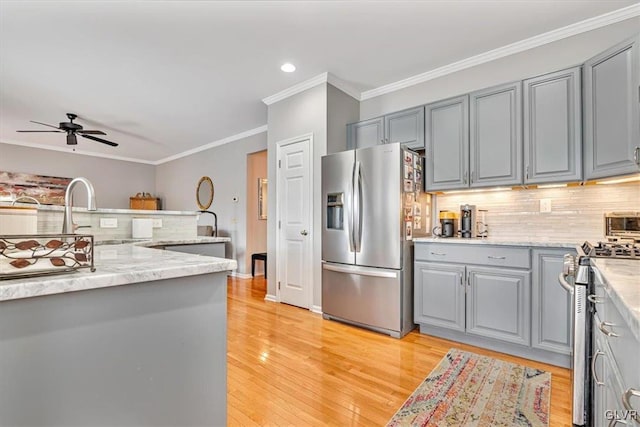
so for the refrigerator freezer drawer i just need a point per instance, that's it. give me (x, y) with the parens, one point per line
(370, 297)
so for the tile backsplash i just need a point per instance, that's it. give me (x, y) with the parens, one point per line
(178, 225)
(576, 212)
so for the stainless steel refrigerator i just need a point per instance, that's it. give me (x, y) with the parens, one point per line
(372, 207)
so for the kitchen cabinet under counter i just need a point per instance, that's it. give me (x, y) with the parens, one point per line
(497, 294)
(141, 341)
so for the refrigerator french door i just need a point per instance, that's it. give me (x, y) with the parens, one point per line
(366, 240)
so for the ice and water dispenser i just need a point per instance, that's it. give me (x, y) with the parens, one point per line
(335, 211)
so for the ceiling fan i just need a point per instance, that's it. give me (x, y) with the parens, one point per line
(71, 130)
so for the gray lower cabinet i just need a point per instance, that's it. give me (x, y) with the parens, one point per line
(487, 296)
(553, 127)
(439, 298)
(495, 124)
(366, 133)
(498, 303)
(491, 302)
(405, 127)
(551, 321)
(612, 111)
(447, 144)
(209, 249)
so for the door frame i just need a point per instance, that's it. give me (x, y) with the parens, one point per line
(279, 145)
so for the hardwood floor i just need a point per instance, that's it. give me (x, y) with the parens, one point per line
(288, 366)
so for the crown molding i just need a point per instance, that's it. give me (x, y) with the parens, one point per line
(343, 86)
(312, 82)
(68, 150)
(300, 87)
(213, 144)
(510, 49)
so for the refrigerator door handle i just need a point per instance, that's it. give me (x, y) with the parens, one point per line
(361, 271)
(357, 207)
(349, 213)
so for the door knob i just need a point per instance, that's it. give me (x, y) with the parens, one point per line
(304, 232)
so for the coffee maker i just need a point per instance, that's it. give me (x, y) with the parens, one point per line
(448, 224)
(468, 221)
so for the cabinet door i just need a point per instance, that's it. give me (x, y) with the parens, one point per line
(611, 111)
(405, 127)
(552, 127)
(447, 144)
(366, 133)
(495, 124)
(551, 327)
(498, 304)
(439, 295)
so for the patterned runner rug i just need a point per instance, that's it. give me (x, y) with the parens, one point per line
(468, 389)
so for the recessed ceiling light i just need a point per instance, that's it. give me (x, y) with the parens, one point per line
(288, 68)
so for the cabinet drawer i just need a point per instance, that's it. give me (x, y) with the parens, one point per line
(624, 345)
(500, 256)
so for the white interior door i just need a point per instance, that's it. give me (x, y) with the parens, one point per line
(294, 223)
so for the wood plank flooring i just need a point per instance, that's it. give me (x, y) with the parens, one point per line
(288, 366)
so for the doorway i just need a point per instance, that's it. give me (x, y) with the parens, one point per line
(294, 220)
(256, 214)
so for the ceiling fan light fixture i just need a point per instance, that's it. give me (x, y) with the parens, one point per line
(71, 139)
(288, 67)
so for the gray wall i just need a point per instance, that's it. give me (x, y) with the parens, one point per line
(176, 183)
(341, 110)
(297, 115)
(114, 180)
(551, 57)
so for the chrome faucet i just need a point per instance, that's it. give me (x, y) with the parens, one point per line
(67, 224)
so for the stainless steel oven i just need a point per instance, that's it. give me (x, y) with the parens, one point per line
(579, 279)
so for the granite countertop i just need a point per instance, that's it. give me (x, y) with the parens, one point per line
(623, 279)
(165, 242)
(499, 241)
(116, 265)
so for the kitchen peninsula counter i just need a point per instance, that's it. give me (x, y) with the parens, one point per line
(141, 341)
(122, 264)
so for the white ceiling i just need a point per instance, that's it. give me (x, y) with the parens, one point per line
(164, 77)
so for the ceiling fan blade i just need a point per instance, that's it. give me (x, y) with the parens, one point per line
(54, 131)
(104, 141)
(91, 132)
(44, 124)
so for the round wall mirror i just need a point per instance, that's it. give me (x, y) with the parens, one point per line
(204, 193)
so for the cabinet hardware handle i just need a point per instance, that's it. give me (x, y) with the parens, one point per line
(605, 331)
(627, 405)
(464, 178)
(595, 299)
(593, 367)
(636, 158)
(526, 175)
(437, 253)
(473, 175)
(496, 257)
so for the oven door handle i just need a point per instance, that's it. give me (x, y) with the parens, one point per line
(566, 285)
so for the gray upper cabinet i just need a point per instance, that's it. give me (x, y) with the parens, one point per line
(447, 144)
(495, 123)
(405, 127)
(551, 326)
(552, 127)
(366, 133)
(612, 111)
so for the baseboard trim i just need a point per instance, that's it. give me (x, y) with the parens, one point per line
(316, 309)
(271, 298)
(240, 275)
